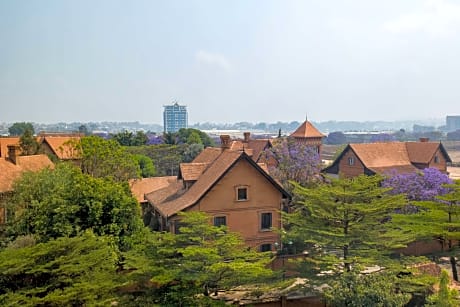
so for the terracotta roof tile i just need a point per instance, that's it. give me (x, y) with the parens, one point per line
(174, 189)
(307, 130)
(192, 171)
(421, 152)
(378, 155)
(9, 171)
(208, 155)
(61, 147)
(140, 187)
(258, 146)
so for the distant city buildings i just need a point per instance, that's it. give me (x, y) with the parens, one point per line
(175, 117)
(453, 123)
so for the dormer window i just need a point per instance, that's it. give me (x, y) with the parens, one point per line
(351, 161)
(242, 193)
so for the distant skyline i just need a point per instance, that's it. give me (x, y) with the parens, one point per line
(229, 61)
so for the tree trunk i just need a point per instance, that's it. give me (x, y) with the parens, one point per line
(453, 263)
(345, 257)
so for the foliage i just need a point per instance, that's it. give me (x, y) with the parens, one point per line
(200, 259)
(28, 143)
(127, 138)
(194, 136)
(146, 166)
(356, 289)
(425, 185)
(166, 158)
(106, 158)
(77, 271)
(191, 151)
(341, 223)
(295, 161)
(64, 203)
(83, 129)
(19, 128)
(445, 297)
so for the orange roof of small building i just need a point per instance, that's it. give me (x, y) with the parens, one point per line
(307, 130)
(62, 146)
(422, 152)
(9, 171)
(191, 171)
(4, 142)
(140, 187)
(208, 155)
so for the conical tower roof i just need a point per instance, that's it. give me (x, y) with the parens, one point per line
(307, 130)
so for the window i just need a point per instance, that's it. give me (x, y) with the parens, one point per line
(177, 226)
(351, 161)
(265, 247)
(265, 221)
(242, 193)
(220, 221)
(436, 159)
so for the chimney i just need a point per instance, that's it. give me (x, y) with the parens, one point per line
(424, 140)
(13, 152)
(247, 136)
(225, 141)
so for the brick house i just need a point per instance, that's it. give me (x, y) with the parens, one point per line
(307, 134)
(229, 186)
(391, 157)
(61, 146)
(11, 168)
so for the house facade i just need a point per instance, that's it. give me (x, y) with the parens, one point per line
(389, 158)
(232, 189)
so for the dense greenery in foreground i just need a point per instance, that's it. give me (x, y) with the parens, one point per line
(76, 239)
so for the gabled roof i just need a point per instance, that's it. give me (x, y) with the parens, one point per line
(307, 130)
(9, 171)
(174, 203)
(423, 152)
(388, 157)
(62, 147)
(191, 171)
(139, 187)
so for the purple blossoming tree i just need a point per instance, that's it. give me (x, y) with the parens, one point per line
(425, 185)
(295, 161)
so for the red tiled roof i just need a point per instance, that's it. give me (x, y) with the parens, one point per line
(208, 155)
(192, 171)
(62, 147)
(421, 152)
(140, 187)
(9, 171)
(377, 155)
(307, 130)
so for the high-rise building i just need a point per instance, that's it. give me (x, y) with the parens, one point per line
(175, 117)
(453, 122)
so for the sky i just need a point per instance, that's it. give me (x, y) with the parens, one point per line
(229, 61)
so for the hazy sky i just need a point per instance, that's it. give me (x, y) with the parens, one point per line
(229, 61)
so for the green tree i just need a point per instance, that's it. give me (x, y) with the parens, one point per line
(445, 297)
(146, 166)
(194, 138)
(83, 129)
(353, 289)
(106, 158)
(341, 223)
(19, 128)
(200, 259)
(28, 143)
(79, 271)
(63, 202)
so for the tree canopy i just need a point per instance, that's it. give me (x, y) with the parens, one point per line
(128, 138)
(28, 143)
(63, 202)
(19, 128)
